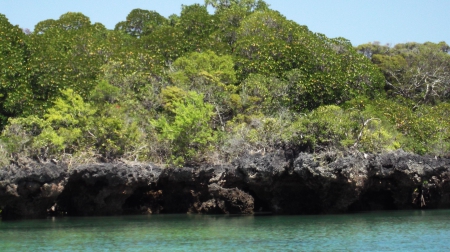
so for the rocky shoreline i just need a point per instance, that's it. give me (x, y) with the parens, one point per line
(277, 183)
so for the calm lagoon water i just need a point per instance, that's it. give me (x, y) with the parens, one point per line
(379, 231)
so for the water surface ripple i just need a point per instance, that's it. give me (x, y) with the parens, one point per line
(379, 231)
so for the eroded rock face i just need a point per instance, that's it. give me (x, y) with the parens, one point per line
(30, 190)
(276, 182)
(225, 201)
(102, 189)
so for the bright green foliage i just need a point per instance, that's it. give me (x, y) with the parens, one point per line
(425, 128)
(70, 111)
(211, 68)
(200, 86)
(15, 92)
(127, 82)
(72, 126)
(333, 127)
(185, 127)
(376, 132)
(19, 133)
(327, 126)
(69, 118)
(116, 135)
(172, 94)
(209, 74)
(141, 22)
(61, 129)
(439, 144)
(375, 138)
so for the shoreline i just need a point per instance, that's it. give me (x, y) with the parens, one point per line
(323, 183)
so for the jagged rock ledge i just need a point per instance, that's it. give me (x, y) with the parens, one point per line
(278, 183)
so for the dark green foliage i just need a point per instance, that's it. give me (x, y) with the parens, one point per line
(141, 23)
(269, 95)
(15, 91)
(267, 43)
(187, 33)
(199, 87)
(68, 53)
(197, 25)
(319, 70)
(229, 15)
(165, 44)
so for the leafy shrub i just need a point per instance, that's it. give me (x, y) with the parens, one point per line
(334, 127)
(184, 126)
(424, 127)
(252, 133)
(72, 126)
(260, 93)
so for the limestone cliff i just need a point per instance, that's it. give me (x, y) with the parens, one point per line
(278, 183)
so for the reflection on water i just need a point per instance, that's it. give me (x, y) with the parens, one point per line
(380, 231)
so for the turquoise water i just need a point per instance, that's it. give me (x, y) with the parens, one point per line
(380, 231)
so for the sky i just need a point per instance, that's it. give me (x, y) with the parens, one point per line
(360, 21)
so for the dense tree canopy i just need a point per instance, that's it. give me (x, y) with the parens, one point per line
(141, 22)
(420, 72)
(204, 86)
(65, 53)
(15, 92)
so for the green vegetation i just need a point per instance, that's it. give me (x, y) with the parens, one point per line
(202, 87)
